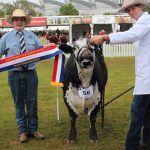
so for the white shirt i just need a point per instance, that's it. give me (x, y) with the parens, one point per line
(139, 34)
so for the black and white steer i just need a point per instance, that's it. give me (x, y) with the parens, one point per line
(84, 84)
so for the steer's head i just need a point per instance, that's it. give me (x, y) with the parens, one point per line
(82, 58)
(83, 52)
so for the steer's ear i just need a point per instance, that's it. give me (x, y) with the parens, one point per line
(65, 48)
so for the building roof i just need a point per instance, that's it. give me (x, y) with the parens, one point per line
(51, 7)
(91, 7)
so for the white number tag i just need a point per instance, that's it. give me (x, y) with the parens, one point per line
(85, 93)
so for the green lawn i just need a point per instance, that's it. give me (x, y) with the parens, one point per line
(117, 113)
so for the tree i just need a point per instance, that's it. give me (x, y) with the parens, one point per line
(147, 8)
(22, 4)
(68, 10)
(109, 13)
(8, 9)
(2, 14)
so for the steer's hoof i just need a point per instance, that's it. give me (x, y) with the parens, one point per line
(93, 135)
(94, 141)
(71, 141)
(72, 136)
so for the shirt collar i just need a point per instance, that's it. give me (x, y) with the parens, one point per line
(15, 31)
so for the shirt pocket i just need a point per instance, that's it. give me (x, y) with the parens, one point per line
(30, 45)
(11, 49)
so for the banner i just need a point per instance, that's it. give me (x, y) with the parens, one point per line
(6, 24)
(103, 19)
(36, 21)
(58, 20)
(123, 19)
(80, 20)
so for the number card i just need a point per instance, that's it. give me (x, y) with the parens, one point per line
(85, 92)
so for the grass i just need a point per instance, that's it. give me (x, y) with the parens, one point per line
(117, 113)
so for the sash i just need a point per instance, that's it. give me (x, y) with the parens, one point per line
(58, 71)
(35, 56)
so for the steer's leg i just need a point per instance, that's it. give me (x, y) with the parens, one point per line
(92, 131)
(73, 132)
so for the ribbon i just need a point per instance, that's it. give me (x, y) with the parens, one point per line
(58, 78)
(46, 52)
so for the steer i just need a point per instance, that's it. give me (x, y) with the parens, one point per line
(85, 78)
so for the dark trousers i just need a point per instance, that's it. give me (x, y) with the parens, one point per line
(23, 86)
(140, 117)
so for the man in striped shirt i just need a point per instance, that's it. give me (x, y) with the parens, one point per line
(23, 80)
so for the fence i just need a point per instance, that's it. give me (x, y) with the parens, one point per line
(118, 50)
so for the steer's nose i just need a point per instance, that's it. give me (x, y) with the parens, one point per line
(86, 63)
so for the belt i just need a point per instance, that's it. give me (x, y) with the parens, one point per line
(22, 70)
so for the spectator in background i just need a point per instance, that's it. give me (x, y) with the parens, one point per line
(57, 31)
(41, 36)
(139, 34)
(88, 34)
(0, 35)
(23, 81)
(47, 37)
(83, 33)
(54, 38)
(102, 32)
(63, 39)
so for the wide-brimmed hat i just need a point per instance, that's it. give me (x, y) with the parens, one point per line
(129, 3)
(19, 13)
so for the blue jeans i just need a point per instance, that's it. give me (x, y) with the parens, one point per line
(140, 117)
(23, 86)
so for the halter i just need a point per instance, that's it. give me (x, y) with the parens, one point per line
(86, 47)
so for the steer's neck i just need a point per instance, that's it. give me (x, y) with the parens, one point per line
(85, 76)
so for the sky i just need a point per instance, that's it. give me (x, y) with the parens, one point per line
(9, 1)
(83, 10)
(35, 1)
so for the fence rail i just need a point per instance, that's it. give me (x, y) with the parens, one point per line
(118, 50)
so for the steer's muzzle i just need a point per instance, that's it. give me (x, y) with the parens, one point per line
(85, 60)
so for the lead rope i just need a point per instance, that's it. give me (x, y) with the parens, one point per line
(58, 117)
(119, 96)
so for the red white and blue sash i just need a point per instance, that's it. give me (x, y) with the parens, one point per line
(46, 52)
(58, 78)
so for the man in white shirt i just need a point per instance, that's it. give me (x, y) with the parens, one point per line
(139, 34)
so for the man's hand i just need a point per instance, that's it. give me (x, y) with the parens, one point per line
(99, 39)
